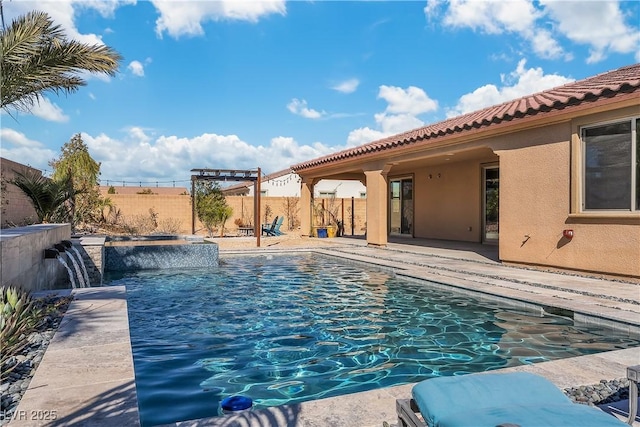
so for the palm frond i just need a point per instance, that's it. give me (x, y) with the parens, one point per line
(36, 57)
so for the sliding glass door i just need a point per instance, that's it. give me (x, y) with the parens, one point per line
(401, 206)
(491, 202)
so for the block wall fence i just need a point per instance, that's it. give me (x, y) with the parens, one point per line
(17, 209)
(177, 208)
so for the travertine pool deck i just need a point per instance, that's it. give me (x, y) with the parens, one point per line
(86, 376)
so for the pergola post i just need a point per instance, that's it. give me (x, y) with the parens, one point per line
(257, 228)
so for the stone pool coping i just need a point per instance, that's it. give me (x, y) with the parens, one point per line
(86, 375)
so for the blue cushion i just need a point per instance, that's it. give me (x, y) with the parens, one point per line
(493, 399)
(562, 415)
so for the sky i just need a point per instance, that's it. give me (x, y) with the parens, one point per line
(244, 84)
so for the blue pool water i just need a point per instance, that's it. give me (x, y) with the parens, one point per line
(287, 329)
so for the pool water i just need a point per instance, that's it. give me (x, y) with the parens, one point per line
(288, 329)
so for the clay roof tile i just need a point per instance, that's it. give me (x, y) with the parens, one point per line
(623, 79)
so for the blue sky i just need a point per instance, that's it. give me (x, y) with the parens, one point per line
(245, 84)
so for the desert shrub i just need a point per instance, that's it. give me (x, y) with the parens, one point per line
(19, 317)
(169, 226)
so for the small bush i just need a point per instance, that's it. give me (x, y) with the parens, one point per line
(169, 226)
(19, 317)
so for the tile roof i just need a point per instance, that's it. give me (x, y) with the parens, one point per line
(605, 85)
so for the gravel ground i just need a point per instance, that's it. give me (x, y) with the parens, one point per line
(24, 365)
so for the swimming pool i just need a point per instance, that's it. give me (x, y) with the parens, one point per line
(287, 329)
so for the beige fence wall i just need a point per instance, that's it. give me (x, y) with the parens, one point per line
(176, 209)
(17, 209)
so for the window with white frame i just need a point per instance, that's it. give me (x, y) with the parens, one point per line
(611, 166)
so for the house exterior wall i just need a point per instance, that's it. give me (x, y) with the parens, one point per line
(537, 202)
(539, 198)
(541, 173)
(448, 205)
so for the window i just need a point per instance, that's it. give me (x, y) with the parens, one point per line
(363, 194)
(263, 193)
(327, 194)
(611, 166)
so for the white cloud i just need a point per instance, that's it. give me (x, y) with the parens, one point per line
(186, 18)
(299, 107)
(493, 17)
(399, 116)
(364, 135)
(600, 25)
(347, 86)
(63, 13)
(18, 147)
(411, 100)
(141, 156)
(518, 83)
(19, 139)
(49, 111)
(136, 68)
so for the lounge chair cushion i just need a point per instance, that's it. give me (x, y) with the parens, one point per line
(493, 399)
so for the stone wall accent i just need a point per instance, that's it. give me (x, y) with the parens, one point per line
(157, 256)
(92, 251)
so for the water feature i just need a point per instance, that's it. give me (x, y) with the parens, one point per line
(84, 267)
(63, 248)
(289, 329)
(72, 278)
(76, 267)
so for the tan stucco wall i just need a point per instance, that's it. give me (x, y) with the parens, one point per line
(535, 208)
(178, 207)
(448, 205)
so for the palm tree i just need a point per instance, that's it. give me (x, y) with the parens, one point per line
(36, 57)
(49, 197)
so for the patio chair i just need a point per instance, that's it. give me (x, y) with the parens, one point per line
(275, 227)
(269, 228)
(517, 399)
(276, 230)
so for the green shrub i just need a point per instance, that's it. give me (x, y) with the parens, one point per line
(19, 317)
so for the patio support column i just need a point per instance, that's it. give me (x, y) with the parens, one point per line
(306, 201)
(376, 208)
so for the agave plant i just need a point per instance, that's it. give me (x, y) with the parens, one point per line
(19, 316)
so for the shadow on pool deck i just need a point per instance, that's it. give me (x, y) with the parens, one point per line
(87, 375)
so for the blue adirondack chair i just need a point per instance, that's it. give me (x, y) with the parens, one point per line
(268, 228)
(274, 230)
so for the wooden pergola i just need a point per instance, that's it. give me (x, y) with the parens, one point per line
(224, 175)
